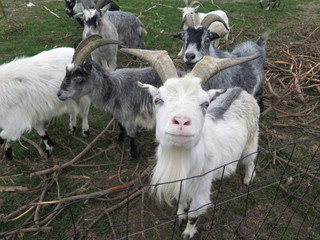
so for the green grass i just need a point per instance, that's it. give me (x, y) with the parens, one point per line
(36, 29)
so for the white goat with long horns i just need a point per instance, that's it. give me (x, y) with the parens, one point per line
(198, 131)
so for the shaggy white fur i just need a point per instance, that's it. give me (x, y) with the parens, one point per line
(28, 94)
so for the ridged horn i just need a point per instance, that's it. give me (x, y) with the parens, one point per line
(85, 5)
(208, 66)
(195, 2)
(84, 42)
(186, 3)
(90, 47)
(102, 3)
(189, 20)
(159, 60)
(210, 18)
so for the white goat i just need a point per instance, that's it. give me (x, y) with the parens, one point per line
(28, 96)
(199, 131)
(218, 27)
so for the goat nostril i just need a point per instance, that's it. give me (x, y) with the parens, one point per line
(181, 121)
(190, 56)
(187, 123)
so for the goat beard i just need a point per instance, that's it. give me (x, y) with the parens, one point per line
(172, 165)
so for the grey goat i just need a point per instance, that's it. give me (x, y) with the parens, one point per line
(129, 27)
(249, 75)
(114, 92)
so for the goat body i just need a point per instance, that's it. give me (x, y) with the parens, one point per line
(28, 88)
(130, 29)
(249, 75)
(115, 92)
(192, 142)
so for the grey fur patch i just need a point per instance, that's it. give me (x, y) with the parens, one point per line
(222, 103)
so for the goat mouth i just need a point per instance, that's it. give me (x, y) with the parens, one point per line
(179, 137)
(190, 65)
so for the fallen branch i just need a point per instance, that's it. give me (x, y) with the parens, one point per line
(57, 167)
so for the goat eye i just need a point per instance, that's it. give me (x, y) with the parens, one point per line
(157, 101)
(183, 39)
(78, 80)
(207, 40)
(205, 105)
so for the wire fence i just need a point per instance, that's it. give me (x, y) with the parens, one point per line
(281, 205)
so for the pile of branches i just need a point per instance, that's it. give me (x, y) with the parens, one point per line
(293, 83)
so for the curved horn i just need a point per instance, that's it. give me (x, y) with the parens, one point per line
(210, 18)
(90, 47)
(84, 42)
(85, 5)
(102, 3)
(207, 67)
(159, 60)
(189, 20)
(195, 2)
(186, 3)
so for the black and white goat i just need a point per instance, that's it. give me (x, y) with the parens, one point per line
(114, 92)
(249, 76)
(268, 4)
(129, 27)
(76, 6)
(201, 134)
(192, 18)
(96, 23)
(28, 96)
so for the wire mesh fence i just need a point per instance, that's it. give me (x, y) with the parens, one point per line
(282, 205)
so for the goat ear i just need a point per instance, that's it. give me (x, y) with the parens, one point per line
(196, 8)
(151, 89)
(79, 15)
(179, 36)
(87, 66)
(213, 93)
(214, 36)
(180, 9)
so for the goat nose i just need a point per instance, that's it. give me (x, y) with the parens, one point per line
(190, 56)
(181, 121)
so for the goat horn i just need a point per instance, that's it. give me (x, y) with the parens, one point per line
(84, 42)
(101, 3)
(90, 47)
(189, 20)
(210, 18)
(208, 66)
(159, 60)
(195, 2)
(186, 3)
(85, 5)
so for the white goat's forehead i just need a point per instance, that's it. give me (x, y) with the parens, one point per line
(176, 89)
(187, 10)
(89, 13)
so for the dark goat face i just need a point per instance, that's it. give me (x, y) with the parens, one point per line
(76, 82)
(69, 7)
(196, 44)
